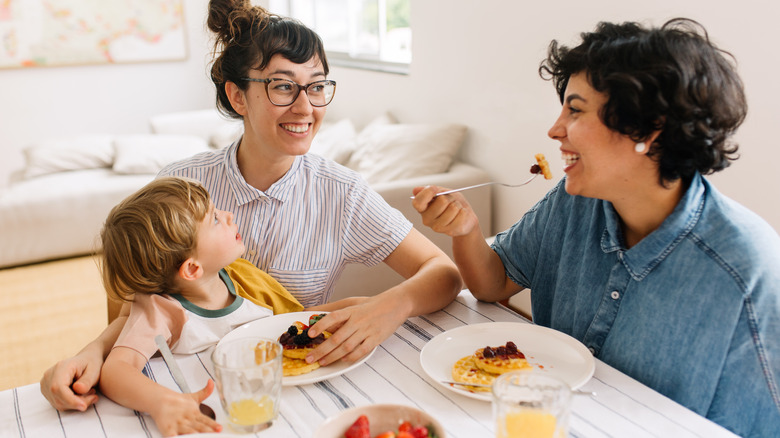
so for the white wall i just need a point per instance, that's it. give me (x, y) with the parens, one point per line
(51, 102)
(475, 62)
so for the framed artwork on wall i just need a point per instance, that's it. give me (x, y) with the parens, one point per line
(45, 33)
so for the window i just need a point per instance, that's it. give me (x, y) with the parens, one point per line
(370, 34)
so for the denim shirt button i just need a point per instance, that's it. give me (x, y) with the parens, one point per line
(615, 294)
(592, 350)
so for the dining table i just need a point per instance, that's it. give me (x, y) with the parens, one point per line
(615, 405)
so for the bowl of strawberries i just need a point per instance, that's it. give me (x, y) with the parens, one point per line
(381, 421)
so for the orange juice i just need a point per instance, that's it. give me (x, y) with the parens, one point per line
(528, 424)
(248, 412)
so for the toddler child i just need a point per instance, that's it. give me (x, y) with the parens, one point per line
(175, 258)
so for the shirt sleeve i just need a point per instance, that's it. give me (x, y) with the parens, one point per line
(520, 246)
(152, 315)
(372, 228)
(747, 380)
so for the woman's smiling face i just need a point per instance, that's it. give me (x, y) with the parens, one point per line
(288, 130)
(597, 160)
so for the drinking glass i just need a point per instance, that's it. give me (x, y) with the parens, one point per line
(248, 375)
(531, 405)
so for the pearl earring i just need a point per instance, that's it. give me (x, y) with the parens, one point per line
(640, 147)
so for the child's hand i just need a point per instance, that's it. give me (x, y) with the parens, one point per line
(179, 414)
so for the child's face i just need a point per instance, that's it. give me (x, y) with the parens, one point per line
(219, 243)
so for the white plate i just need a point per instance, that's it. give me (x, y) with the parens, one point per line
(273, 327)
(548, 350)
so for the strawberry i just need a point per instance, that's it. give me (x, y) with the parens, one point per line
(405, 427)
(420, 432)
(359, 429)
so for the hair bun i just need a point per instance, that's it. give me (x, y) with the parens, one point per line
(227, 18)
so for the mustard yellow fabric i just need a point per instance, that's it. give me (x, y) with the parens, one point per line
(260, 288)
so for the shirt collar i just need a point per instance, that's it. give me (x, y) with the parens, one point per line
(245, 193)
(215, 313)
(650, 251)
(282, 189)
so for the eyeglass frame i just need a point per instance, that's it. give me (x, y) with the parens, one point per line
(305, 89)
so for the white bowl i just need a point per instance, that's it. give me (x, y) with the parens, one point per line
(381, 418)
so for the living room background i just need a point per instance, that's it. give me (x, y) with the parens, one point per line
(474, 62)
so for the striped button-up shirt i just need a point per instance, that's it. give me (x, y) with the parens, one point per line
(308, 225)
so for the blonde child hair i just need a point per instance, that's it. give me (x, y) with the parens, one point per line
(148, 236)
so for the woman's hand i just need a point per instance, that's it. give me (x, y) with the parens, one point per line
(69, 384)
(479, 266)
(356, 330)
(432, 282)
(179, 414)
(447, 214)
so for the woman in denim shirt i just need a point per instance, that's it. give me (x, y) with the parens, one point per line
(634, 253)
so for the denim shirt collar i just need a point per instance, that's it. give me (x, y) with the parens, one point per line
(650, 251)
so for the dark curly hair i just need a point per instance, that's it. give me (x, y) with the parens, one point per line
(670, 79)
(247, 37)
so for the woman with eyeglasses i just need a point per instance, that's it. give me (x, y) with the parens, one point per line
(303, 218)
(635, 253)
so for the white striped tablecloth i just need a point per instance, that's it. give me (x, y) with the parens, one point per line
(622, 406)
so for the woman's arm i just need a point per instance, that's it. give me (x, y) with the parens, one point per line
(481, 268)
(69, 383)
(174, 413)
(432, 282)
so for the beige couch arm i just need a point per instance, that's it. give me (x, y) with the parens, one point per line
(361, 280)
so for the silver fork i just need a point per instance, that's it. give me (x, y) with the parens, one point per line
(480, 385)
(447, 192)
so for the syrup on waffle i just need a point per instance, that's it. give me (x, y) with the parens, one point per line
(500, 360)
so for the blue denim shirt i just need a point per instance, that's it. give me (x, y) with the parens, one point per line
(692, 310)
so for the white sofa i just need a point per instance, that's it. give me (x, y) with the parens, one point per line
(55, 207)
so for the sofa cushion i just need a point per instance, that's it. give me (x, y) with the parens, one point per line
(59, 214)
(150, 153)
(335, 141)
(225, 135)
(77, 153)
(387, 152)
(353, 162)
(207, 124)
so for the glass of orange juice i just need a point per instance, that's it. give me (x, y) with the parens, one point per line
(529, 404)
(248, 374)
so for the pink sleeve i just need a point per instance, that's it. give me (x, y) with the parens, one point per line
(152, 315)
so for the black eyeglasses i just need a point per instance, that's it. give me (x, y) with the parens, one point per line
(283, 92)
